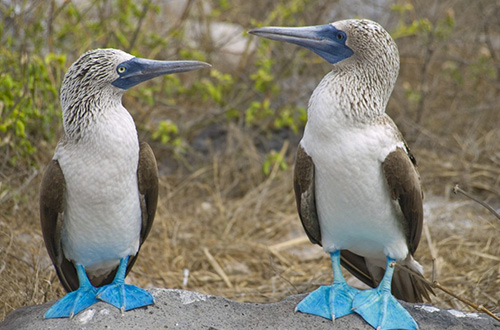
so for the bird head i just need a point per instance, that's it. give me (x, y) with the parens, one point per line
(99, 78)
(114, 71)
(359, 42)
(364, 57)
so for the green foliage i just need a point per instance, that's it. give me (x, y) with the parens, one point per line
(423, 26)
(215, 88)
(484, 67)
(451, 70)
(263, 78)
(28, 101)
(167, 133)
(36, 42)
(286, 12)
(258, 111)
(274, 158)
(267, 83)
(414, 27)
(291, 117)
(40, 42)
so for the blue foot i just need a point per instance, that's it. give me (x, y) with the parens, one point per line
(380, 309)
(124, 296)
(330, 302)
(333, 301)
(75, 301)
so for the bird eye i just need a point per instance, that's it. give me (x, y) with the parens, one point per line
(121, 69)
(340, 36)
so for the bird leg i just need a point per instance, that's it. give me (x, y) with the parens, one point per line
(124, 296)
(76, 301)
(333, 301)
(380, 309)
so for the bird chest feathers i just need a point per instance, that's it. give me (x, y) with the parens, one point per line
(102, 213)
(355, 209)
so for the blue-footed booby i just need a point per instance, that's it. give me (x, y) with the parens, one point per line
(99, 193)
(357, 189)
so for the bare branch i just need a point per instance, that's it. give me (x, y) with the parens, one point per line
(457, 189)
(437, 285)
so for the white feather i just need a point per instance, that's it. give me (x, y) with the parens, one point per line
(102, 217)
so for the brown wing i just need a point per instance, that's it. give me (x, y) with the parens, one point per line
(52, 210)
(52, 192)
(147, 178)
(406, 191)
(303, 182)
(404, 185)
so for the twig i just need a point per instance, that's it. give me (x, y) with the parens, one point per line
(437, 285)
(270, 179)
(217, 267)
(287, 244)
(457, 189)
(145, 9)
(431, 249)
(19, 189)
(271, 264)
(483, 255)
(280, 257)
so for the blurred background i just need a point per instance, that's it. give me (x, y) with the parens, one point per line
(225, 139)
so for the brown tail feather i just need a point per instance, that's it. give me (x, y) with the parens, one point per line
(405, 286)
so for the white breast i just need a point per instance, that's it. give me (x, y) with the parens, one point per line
(102, 217)
(354, 207)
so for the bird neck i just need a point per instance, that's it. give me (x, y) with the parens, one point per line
(351, 96)
(84, 114)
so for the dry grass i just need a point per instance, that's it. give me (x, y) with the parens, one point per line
(224, 228)
(227, 230)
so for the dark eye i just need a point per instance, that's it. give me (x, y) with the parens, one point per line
(121, 69)
(340, 36)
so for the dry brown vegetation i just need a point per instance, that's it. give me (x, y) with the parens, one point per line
(233, 231)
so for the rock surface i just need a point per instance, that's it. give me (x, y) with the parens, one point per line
(179, 309)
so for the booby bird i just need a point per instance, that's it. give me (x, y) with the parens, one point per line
(357, 188)
(99, 193)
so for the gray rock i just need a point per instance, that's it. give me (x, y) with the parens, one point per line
(179, 309)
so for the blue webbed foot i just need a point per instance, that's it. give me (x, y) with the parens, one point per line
(72, 303)
(124, 296)
(331, 301)
(380, 309)
(75, 301)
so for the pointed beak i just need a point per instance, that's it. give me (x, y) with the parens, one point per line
(137, 70)
(324, 40)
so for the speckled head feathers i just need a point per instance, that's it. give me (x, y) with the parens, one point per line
(87, 87)
(94, 70)
(95, 83)
(365, 67)
(372, 46)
